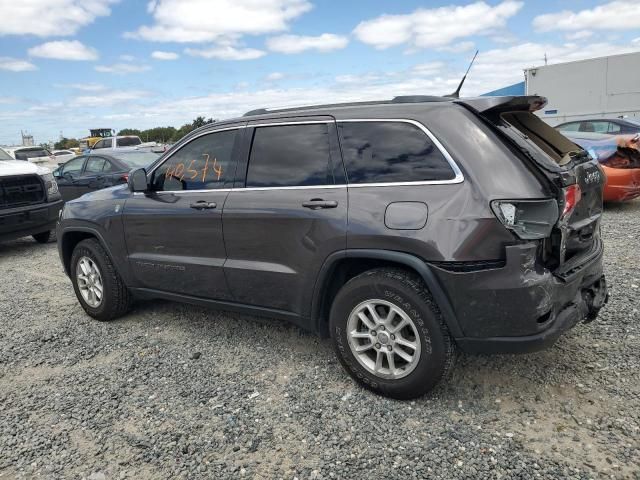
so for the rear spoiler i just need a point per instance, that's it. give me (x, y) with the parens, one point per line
(487, 105)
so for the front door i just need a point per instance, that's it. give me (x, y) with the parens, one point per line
(174, 232)
(288, 214)
(67, 178)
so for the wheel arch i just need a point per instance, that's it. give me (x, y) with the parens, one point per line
(341, 266)
(72, 237)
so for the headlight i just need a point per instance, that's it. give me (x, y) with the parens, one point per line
(51, 186)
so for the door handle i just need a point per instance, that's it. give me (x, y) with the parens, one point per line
(318, 203)
(203, 205)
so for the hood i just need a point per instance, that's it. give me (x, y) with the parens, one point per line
(20, 167)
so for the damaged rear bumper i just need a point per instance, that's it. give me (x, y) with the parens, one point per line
(523, 307)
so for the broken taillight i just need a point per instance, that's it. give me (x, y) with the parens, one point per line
(572, 195)
(528, 219)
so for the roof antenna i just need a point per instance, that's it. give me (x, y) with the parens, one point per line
(456, 94)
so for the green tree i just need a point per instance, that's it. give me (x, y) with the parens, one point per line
(66, 143)
(167, 134)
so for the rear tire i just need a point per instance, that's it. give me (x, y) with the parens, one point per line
(389, 335)
(98, 286)
(42, 237)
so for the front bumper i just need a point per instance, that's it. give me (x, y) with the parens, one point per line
(29, 220)
(523, 307)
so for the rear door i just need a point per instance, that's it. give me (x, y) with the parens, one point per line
(287, 214)
(174, 232)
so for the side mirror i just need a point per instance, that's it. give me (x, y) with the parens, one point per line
(56, 173)
(138, 180)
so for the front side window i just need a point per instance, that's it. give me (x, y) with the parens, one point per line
(290, 155)
(569, 127)
(383, 152)
(204, 163)
(73, 166)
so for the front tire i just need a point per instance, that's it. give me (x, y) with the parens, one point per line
(98, 286)
(389, 335)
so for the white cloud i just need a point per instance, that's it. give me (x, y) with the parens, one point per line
(226, 52)
(617, 15)
(8, 100)
(636, 41)
(297, 43)
(45, 18)
(160, 55)
(437, 27)
(208, 21)
(274, 76)
(122, 68)
(579, 35)
(127, 58)
(85, 87)
(64, 50)
(460, 47)
(108, 99)
(16, 65)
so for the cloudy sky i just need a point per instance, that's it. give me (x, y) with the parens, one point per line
(70, 65)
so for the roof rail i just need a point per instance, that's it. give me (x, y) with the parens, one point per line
(400, 99)
(418, 99)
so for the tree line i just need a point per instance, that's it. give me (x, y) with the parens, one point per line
(157, 134)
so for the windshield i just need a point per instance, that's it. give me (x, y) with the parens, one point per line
(4, 155)
(27, 153)
(136, 159)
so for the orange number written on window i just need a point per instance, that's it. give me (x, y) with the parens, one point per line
(180, 171)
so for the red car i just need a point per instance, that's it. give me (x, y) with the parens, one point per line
(619, 156)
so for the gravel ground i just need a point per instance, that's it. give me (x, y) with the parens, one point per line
(175, 391)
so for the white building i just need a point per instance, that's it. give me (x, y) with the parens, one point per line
(606, 87)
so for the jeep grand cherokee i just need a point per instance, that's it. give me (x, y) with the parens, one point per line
(402, 229)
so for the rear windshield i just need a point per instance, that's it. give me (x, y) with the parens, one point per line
(4, 155)
(547, 138)
(27, 153)
(128, 141)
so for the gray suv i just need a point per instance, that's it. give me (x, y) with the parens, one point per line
(402, 229)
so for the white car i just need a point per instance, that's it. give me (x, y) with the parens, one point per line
(63, 156)
(38, 155)
(131, 142)
(30, 200)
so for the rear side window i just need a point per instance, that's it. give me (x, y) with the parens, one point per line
(205, 163)
(95, 165)
(128, 141)
(289, 156)
(4, 155)
(383, 152)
